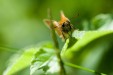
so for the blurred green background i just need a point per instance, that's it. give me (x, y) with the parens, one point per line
(21, 21)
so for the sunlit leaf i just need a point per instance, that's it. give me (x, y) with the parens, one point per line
(88, 37)
(44, 62)
(102, 22)
(20, 62)
(91, 47)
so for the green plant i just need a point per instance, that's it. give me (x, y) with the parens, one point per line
(85, 49)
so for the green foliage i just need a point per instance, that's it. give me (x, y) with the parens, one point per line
(93, 47)
(85, 51)
(21, 25)
(102, 22)
(19, 61)
(44, 62)
(86, 37)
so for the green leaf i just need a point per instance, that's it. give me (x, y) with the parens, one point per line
(19, 62)
(91, 46)
(65, 47)
(88, 37)
(102, 22)
(69, 43)
(44, 62)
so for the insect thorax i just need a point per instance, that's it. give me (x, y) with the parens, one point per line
(66, 27)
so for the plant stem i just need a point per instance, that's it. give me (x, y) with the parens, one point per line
(83, 68)
(8, 49)
(52, 30)
(62, 70)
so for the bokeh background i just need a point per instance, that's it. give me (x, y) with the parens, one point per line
(21, 21)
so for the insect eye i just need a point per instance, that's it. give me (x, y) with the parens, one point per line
(63, 25)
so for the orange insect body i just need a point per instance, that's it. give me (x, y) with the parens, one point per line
(63, 19)
(63, 28)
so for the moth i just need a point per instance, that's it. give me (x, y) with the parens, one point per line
(63, 27)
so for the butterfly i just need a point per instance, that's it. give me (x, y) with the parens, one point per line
(63, 27)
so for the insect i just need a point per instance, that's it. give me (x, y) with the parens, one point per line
(63, 27)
